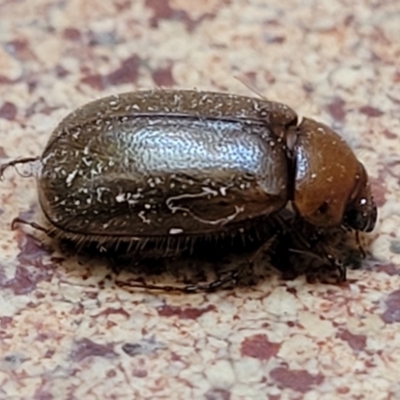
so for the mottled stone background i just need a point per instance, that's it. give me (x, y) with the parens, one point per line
(69, 333)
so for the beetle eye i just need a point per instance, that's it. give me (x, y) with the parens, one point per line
(362, 219)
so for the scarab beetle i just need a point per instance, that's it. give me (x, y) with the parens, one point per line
(176, 165)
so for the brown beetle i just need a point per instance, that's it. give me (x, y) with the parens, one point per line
(171, 166)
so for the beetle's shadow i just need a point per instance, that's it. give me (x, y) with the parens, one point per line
(286, 247)
(245, 259)
(200, 263)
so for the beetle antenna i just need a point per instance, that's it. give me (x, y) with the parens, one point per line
(359, 245)
(307, 253)
(251, 88)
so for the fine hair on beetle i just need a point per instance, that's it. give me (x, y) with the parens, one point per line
(158, 173)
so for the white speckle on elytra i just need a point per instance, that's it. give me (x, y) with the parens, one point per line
(222, 190)
(313, 176)
(99, 192)
(87, 162)
(136, 196)
(120, 198)
(71, 177)
(142, 216)
(76, 134)
(363, 202)
(175, 231)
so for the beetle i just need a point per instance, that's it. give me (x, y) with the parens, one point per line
(172, 166)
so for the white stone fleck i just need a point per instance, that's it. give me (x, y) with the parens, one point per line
(220, 374)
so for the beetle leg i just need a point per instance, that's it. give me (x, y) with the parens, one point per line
(15, 162)
(340, 267)
(309, 243)
(144, 285)
(34, 225)
(203, 287)
(231, 278)
(264, 247)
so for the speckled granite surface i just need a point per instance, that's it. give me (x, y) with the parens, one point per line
(69, 333)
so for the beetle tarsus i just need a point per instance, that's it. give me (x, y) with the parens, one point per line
(15, 162)
(34, 225)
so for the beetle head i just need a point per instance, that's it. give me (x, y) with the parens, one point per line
(330, 185)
